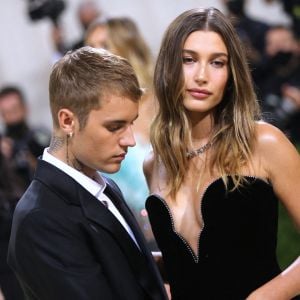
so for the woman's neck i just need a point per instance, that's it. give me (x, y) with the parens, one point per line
(202, 129)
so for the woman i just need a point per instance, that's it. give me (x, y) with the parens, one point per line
(217, 171)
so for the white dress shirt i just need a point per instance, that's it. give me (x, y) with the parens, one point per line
(95, 186)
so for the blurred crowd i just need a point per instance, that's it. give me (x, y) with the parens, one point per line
(20, 145)
(274, 57)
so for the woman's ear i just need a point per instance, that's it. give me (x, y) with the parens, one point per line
(66, 120)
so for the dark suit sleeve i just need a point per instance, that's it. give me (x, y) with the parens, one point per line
(55, 260)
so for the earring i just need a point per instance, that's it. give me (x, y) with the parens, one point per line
(69, 136)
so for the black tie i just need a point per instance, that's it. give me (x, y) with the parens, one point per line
(105, 203)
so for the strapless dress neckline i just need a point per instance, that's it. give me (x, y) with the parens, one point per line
(236, 247)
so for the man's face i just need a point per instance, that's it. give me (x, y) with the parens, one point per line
(12, 110)
(87, 14)
(103, 143)
(280, 40)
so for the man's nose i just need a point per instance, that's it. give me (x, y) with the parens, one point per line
(128, 139)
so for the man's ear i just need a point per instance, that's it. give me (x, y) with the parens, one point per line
(66, 120)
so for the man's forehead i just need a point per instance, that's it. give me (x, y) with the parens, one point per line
(109, 98)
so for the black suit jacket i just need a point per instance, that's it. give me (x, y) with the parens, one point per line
(65, 244)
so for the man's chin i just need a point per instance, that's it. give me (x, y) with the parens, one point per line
(112, 169)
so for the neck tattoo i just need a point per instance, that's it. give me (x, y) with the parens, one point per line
(202, 149)
(56, 144)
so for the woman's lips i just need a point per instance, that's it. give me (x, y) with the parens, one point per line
(199, 94)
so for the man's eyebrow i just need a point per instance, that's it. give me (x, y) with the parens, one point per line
(108, 122)
(118, 121)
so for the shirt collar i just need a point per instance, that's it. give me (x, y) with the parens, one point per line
(95, 186)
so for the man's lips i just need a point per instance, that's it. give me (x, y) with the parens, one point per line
(120, 156)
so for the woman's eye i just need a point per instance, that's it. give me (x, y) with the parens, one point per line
(218, 63)
(187, 59)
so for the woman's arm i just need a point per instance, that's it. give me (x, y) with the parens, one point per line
(281, 162)
(285, 286)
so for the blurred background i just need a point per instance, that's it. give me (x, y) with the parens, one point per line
(26, 52)
(35, 33)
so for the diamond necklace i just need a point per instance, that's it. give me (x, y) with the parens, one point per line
(202, 149)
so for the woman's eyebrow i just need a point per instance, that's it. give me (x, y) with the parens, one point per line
(195, 53)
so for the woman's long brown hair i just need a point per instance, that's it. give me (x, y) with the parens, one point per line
(234, 127)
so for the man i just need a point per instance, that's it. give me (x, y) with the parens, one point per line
(279, 85)
(21, 144)
(250, 30)
(73, 237)
(87, 12)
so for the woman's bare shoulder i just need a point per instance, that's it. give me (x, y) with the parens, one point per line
(274, 148)
(268, 136)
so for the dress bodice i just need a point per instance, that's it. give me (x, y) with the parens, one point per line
(236, 247)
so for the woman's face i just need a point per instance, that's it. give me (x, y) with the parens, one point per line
(205, 68)
(97, 38)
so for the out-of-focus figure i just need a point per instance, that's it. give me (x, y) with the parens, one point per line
(250, 31)
(87, 12)
(20, 143)
(97, 34)
(279, 82)
(10, 192)
(292, 8)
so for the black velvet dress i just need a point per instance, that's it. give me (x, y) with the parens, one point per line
(237, 246)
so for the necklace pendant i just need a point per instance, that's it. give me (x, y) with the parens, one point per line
(202, 149)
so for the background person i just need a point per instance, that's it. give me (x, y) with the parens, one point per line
(10, 192)
(279, 82)
(87, 12)
(20, 143)
(251, 32)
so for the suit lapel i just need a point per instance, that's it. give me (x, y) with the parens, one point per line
(138, 259)
(127, 214)
(149, 262)
(74, 194)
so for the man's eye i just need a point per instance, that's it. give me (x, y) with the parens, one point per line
(114, 128)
